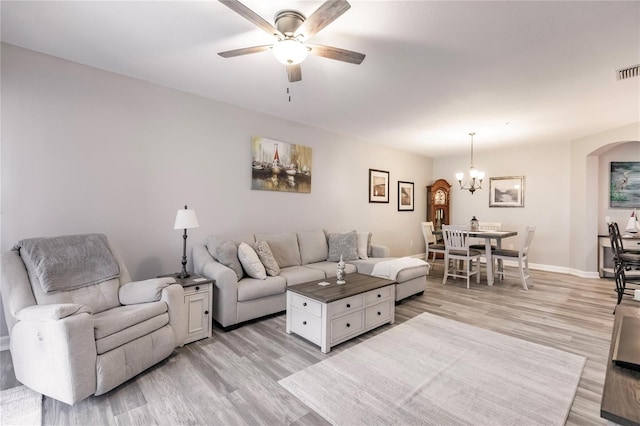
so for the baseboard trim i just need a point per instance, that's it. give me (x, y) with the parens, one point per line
(546, 268)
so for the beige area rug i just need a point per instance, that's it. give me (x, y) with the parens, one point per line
(432, 370)
(20, 406)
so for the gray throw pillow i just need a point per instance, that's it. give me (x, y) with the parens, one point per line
(345, 245)
(227, 254)
(267, 259)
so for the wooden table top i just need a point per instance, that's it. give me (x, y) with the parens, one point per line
(621, 392)
(486, 234)
(356, 284)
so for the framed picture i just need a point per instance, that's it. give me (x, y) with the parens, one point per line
(405, 196)
(624, 185)
(280, 166)
(378, 186)
(507, 191)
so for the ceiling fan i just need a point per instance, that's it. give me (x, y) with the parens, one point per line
(292, 30)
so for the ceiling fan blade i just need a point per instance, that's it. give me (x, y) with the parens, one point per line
(244, 51)
(294, 72)
(328, 12)
(251, 16)
(336, 53)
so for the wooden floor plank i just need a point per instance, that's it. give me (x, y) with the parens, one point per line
(232, 378)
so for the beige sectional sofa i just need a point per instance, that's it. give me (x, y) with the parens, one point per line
(300, 257)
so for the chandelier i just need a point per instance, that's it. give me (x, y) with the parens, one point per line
(475, 177)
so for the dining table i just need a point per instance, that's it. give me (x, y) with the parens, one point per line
(488, 236)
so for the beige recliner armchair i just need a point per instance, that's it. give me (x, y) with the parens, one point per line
(77, 323)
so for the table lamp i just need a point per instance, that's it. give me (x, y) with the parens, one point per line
(185, 219)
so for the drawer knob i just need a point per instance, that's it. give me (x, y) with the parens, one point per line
(304, 323)
(206, 312)
(348, 325)
(304, 304)
(379, 295)
(197, 288)
(379, 313)
(348, 305)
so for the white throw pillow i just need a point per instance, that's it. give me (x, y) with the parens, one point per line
(251, 262)
(364, 244)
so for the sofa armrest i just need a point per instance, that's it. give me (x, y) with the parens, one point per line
(52, 312)
(143, 291)
(56, 358)
(380, 251)
(173, 296)
(225, 290)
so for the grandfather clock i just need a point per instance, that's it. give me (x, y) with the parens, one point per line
(438, 203)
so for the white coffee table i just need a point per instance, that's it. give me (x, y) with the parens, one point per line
(330, 315)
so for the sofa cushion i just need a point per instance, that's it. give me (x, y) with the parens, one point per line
(117, 319)
(251, 288)
(345, 245)
(227, 254)
(266, 257)
(365, 266)
(251, 262)
(329, 268)
(213, 241)
(284, 247)
(301, 274)
(132, 333)
(313, 246)
(364, 244)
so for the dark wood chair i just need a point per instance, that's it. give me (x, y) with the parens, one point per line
(624, 260)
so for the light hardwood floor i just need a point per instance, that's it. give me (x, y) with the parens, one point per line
(232, 378)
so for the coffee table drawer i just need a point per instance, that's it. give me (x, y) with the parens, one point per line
(378, 314)
(306, 325)
(349, 304)
(380, 294)
(347, 325)
(306, 304)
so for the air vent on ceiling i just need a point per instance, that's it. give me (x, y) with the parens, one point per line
(628, 72)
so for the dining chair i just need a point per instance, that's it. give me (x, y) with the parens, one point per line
(521, 256)
(623, 260)
(479, 243)
(431, 242)
(456, 242)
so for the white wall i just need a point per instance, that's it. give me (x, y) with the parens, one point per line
(85, 150)
(629, 151)
(546, 199)
(586, 177)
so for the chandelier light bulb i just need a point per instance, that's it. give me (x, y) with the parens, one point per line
(290, 51)
(475, 176)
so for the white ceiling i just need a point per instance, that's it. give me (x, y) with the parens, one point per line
(434, 71)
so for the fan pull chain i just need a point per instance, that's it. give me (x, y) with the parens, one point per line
(288, 93)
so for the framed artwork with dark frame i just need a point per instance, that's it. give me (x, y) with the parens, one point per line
(506, 191)
(405, 196)
(624, 184)
(378, 186)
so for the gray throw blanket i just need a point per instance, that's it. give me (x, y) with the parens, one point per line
(68, 262)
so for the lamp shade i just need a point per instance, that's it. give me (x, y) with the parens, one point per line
(186, 219)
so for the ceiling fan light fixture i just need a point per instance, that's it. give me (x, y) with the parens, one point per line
(290, 51)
